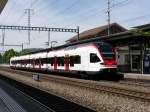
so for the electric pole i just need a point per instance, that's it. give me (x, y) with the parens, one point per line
(28, 11)
(108, 14)
(48, 41)
(3, 39)
(48, 38)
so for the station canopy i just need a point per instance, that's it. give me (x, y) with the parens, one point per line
(2, 5)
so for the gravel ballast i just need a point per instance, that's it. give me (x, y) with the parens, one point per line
(99, 101)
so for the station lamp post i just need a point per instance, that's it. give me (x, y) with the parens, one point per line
(53, 42)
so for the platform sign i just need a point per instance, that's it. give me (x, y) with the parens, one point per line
(36, 76)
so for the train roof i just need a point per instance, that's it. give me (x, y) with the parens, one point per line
(66, 46)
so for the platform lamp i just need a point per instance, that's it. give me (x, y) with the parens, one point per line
(52, 43)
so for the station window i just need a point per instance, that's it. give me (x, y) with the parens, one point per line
(127, 60)
(94, 58)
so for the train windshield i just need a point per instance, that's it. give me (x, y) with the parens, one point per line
(107, 51)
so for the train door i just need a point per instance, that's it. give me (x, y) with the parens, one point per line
(67, 61)
(55, 63)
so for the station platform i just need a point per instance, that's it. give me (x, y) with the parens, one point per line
(137, 76)
(4, 65)
(7, 104)
(11, 100)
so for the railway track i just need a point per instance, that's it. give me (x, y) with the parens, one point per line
(136, 83)
(120, 89)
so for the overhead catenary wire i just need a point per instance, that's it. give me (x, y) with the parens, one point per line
(22, 15)
(63, 11)
(19, 19)
(46, 7)
(87, 17)
(39, 12)
(121, 4)
(67, 8)
(136, 18)
(34, 3)
(9, 10)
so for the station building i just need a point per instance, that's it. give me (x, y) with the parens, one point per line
(132, 46)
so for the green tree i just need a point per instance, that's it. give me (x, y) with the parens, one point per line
(8, 54)
(1, 58)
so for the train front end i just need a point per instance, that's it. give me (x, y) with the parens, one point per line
(107, 60)
(107, 54)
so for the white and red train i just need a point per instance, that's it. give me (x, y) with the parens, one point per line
(93, 58)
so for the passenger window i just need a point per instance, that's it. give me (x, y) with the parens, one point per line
(77, 59)
(51, 61)
(94, 58)
(72, 61)
(60, 61)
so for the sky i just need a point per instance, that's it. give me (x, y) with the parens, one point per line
(86, 14)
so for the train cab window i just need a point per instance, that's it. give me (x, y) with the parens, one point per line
(107, 51)
(94, 58)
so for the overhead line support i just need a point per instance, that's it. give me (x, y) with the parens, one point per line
(38, 29)
(108, 14)
(28, 11)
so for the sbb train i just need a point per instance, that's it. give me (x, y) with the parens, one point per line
(94, 58)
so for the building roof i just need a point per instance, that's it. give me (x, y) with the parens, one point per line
(143, 27)
(2, 5)
(98, 31)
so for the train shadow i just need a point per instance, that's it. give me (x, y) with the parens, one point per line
(107, 77)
